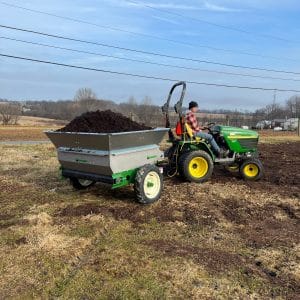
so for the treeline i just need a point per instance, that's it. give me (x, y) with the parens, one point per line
(86, 100)
(291, 109)
(143, 111)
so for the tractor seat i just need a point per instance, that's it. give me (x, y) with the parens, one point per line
(190, 134)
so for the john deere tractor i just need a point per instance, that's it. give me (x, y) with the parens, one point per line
(193, 158)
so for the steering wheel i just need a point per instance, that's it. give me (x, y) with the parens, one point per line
(209, 126)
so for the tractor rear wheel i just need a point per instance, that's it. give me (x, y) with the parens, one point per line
(148, 184)
(252, 170)
(81, 184)
(196, 166)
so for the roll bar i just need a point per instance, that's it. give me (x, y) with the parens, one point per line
(178, 105)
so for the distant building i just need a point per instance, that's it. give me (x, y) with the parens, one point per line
(265, 124)
(25, 109)
(291, 124)
(278, 123)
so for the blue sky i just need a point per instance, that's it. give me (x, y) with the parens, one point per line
(23, 80)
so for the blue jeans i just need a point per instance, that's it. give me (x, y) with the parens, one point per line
(210, 139)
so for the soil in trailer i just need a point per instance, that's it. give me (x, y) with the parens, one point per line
(103, 122)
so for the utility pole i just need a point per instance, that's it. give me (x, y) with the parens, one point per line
(298, 124)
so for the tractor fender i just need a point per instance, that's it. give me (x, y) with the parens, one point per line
(199, 145)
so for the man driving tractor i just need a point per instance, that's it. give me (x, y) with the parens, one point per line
(197, 129)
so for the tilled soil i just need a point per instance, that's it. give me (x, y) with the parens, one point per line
(103, 122)
(282, 163)
(281, 169)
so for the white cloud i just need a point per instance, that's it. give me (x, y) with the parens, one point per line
(206, 6)
(219, 8)
(167, 5)
(168, 20)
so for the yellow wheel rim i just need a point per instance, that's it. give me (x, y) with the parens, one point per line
(251, 170)
(198, 167)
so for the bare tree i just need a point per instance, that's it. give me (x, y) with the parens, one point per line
(86, 100)
(85, 94)
(129, 108)
(293, 106)
(10, 113)
(149, 113)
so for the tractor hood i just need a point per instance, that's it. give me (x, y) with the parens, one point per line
(238, 140)
(236, 132)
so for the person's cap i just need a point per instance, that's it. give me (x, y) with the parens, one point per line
(193, 104)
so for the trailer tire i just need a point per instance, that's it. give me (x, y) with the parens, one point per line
(81, 184)
(148, 184)
(196, 166)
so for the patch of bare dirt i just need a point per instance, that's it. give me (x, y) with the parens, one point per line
(217, 261)
(261, 226)
(281, 285)
(142, 214)
(270, 233)
(214, 260)
(7, 220)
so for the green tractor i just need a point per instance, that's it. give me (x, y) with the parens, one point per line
(193, 158)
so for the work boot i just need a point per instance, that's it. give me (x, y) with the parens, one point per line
(223, 153)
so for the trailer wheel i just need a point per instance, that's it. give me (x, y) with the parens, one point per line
(148, 184)
(252, 170)
(81, 184)
(196, 166)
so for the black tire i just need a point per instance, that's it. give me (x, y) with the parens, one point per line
(81, 184)
(252, 170)
(233, 168)
(187, 159)
(153, 194)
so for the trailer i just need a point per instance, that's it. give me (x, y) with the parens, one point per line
(116, 159)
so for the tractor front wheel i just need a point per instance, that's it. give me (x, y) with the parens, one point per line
(252, 170)
(148, 184)
(196, 166)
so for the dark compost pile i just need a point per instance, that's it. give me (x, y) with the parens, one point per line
(103, 122)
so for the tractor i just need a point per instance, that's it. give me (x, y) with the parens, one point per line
(193, 158)
(124, 158)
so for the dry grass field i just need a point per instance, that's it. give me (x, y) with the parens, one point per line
(36, 121)
(29, 128)
(225, 239)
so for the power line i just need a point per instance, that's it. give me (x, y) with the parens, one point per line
(148, 52)
(150, 62)
(143, 4)
(147, 76)
(145, 35)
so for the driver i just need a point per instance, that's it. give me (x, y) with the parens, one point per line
(197, 130)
